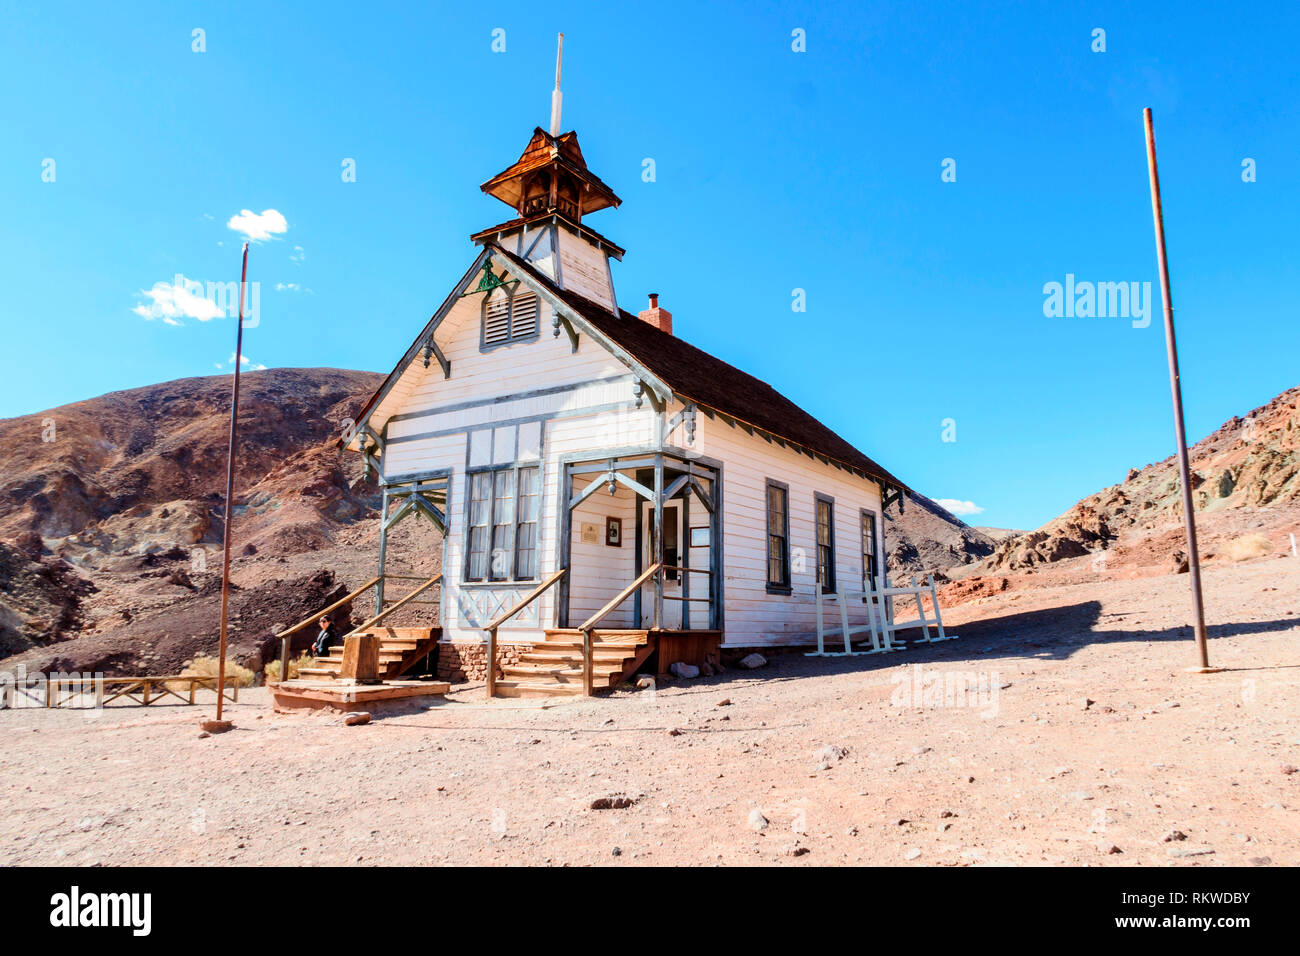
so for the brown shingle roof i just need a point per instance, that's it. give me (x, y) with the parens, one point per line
(695, 374)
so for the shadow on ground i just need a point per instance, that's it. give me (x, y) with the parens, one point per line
(1048, 634)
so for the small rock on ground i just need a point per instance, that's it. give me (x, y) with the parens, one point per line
(615, 801)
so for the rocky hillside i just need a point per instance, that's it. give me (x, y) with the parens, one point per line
(928, 537)
(1248, 463)
(111, 509)
(144, 470)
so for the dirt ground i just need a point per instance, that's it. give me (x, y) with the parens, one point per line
(806, 761)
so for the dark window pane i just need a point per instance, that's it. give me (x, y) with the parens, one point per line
(868, 551)
(526, 532)
(479, 505)
(778, 550)
(825, 546)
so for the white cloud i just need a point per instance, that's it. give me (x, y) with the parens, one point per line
(173, 301)
(244, 362)
(959, 507)
(258, 227)
(287, 287)
(298, 255)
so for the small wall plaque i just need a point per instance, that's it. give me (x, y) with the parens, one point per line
(614, 531)
(590, 533)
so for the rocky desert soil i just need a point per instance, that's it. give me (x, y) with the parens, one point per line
(1079, 739)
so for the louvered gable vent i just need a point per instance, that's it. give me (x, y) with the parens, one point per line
(523, 317)
(509, 318)
(496, 319)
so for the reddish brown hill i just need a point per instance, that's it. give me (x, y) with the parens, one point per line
(107, 467)
(111, 508)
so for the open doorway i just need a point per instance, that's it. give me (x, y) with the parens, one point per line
(672, 613)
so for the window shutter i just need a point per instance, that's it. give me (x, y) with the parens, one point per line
(523, 321)
(496, 320)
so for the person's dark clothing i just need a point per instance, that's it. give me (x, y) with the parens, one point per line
(325, 640)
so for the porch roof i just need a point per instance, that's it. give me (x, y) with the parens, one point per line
(708, 381)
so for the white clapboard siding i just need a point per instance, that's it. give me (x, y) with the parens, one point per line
(426, 454)
(754, 617)
(585, 269)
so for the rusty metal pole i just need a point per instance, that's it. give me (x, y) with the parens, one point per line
(230, 490)
(1175, 385)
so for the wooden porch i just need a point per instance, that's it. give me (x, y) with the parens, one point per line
(675, 524)
(669, 558)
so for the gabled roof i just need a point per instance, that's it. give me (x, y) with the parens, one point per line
(707, 380)
(689, 372)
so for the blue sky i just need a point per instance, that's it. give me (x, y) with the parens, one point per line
(775, 170)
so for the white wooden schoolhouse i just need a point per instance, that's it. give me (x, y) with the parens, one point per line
(611, 498)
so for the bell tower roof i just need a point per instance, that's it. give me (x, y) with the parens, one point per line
(551, 176)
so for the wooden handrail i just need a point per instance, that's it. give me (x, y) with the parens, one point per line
(500, 619)
(677, 567)
(333, 607)
(588, 682)
(400, 604)
(623, 595)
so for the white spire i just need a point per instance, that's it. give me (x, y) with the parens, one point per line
(556, 96)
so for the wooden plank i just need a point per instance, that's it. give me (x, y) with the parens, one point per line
(360, 658)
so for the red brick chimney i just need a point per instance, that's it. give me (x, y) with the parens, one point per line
(661, 319)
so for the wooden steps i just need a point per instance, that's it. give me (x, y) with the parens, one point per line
(400, 649)
(553, 668)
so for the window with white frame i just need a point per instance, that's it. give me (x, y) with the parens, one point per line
(503, 503)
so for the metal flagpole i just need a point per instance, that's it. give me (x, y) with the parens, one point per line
(1175, 384)
(230, 488)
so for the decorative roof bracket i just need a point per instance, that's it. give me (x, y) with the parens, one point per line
(560, 321)
(431, 350)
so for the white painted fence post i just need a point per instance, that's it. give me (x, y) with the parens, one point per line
(821, 645)
(844, 620)
(934, 596)
(920, 610)
(871, 619)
